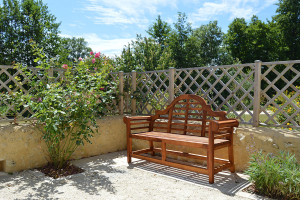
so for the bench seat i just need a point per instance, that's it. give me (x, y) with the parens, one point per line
(179, 139)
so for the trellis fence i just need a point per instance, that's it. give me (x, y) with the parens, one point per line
(9, 83)
(260, 93)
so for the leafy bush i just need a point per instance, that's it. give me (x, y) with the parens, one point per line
(65, 111)
(275, 176)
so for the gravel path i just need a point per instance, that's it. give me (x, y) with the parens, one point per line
(110, 177)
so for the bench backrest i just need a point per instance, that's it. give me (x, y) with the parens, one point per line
(184, 114)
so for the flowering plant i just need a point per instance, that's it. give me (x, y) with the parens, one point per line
(65, 111)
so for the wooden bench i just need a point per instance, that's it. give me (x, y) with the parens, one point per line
(196, 126)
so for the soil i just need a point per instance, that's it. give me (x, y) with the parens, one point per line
(66, 170)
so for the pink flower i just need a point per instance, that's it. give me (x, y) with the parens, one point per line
(95, 68)
(97, 55)
(88, 102)
(39, 100)
(65, 66)
(93, 61)
(102, 88)
(91, 53)
(80, 59)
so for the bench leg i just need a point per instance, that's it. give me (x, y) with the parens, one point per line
(151, 148)
(230, 154)
(129, 149)
(210, 165)
(163, 151)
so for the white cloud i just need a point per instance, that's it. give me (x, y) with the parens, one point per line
(125, 11)
(108, 47)
(234, 8)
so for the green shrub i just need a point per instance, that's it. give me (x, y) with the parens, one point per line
(66, 110)
(276, 176)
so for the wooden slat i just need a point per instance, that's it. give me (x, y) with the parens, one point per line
(222, 167)
(191, 155)
(147, 122)
(140, 118)
(140, 128)
(186, 115)
(179, 139)
(171, 164)
(141, 151)
(181, 118)
(142, 137)
(185, 130)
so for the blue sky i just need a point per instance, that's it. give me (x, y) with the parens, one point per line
(108, 25)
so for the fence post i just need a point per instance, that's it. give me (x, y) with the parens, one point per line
(121, 86)
(257, 89)
(133, 101)
(171, 84)
(50, 74)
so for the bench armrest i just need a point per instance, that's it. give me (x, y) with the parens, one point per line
(127, 119)
(216, 125)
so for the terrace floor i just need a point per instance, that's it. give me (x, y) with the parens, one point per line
(109, 176)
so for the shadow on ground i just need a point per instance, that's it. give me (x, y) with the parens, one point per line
(226, 182)
(96, 177)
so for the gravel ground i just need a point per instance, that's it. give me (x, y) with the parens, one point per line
(110, 177)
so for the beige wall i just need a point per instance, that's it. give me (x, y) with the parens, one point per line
(22, 148)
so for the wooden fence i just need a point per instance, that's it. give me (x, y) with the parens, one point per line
(260, 93)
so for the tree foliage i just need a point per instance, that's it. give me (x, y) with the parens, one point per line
(24, 20)
(209, 39)
(160, 31)
(76, 48)
(144, 54)
(288, 22)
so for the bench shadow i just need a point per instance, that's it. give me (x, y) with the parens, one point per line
(92, 181)
(225, 181)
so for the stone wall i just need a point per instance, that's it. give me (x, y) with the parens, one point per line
(21, 147)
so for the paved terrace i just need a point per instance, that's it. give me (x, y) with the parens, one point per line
(109, 176)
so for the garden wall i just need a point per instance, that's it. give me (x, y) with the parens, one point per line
(21, 147)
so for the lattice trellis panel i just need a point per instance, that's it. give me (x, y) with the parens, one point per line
(127, 90)
(13, 80)
(112, 107)
(280, 94)
(152, 88)
(227, 88)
